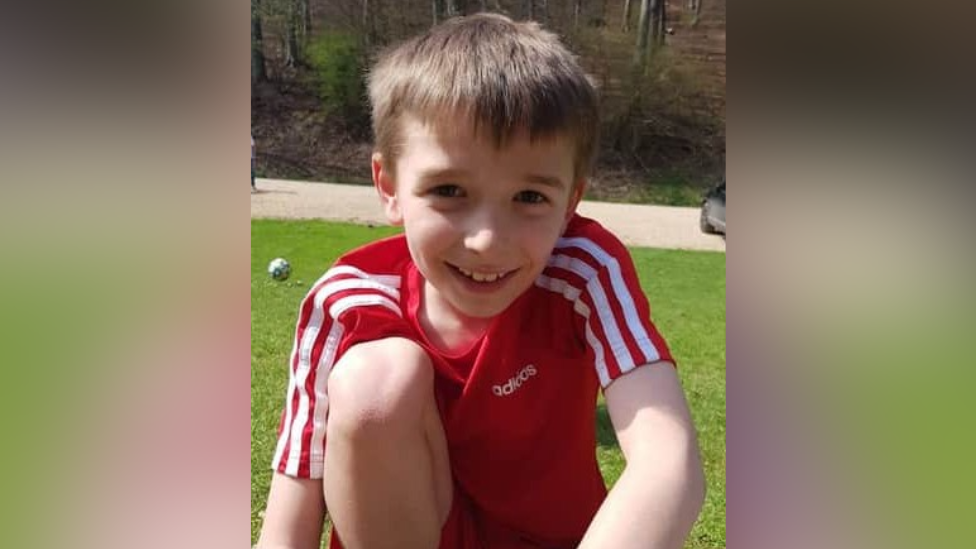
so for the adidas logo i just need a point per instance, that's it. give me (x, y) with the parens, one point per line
(515, 381)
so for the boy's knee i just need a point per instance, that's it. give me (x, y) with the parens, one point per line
(379, 387)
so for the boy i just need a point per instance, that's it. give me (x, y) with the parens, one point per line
(443, 382)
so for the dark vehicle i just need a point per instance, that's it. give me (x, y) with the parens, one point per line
(713, 210)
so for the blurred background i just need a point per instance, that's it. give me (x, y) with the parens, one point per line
(659, 65)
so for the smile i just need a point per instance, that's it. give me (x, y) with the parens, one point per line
(483, 276)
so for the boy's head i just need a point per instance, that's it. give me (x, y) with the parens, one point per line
(503, 77)
(485, 130)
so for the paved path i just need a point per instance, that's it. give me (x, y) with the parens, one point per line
(634, 224)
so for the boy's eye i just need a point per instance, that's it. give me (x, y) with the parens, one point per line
(447, 191)
(531, 197)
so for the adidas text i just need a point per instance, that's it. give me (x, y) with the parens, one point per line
(515, 382)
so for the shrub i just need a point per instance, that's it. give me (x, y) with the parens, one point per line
(337, 61)
(664, 117)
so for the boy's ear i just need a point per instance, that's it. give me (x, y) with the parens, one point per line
(386, 188)
(574, 199)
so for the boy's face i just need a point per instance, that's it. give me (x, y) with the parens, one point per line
(480, 222)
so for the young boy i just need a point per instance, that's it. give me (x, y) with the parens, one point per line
(444, 382)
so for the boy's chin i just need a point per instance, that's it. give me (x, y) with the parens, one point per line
(482, 311)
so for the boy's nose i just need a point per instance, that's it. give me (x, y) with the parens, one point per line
(484, 232)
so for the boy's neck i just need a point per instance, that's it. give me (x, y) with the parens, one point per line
(445, 327)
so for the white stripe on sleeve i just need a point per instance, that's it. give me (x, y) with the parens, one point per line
(296, 419)
(572, 294)
(620, 292)
(326, 362)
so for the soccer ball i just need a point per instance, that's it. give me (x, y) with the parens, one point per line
(279, 269)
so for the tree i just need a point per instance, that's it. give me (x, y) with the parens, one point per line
(258, 72)
(695, 6)
(445, 9)
(369, 26)
(495, 6)
(658, 25)
(650, 31)
(297, 26)
(625, 24)
(453, 10)
(643, 30)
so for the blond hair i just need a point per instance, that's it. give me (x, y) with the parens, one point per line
(506, 76)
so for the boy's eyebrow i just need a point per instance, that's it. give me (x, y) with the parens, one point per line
(451, 173)
(549, 181)
(445, 173)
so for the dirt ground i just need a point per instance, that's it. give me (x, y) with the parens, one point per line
(635, 224)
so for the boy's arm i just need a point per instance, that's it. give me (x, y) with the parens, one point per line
(293, 518)
(656, 501)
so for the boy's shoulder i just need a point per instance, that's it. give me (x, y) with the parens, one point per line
(387, 255)
(364, 281)
(589, 235)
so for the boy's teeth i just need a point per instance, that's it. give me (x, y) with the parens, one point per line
(485, 277)
(480, 277)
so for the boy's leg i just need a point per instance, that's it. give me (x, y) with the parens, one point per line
(387, 476)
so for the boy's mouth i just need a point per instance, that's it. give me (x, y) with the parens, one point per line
(485, 277)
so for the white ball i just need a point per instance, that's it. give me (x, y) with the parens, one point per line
(279, 269)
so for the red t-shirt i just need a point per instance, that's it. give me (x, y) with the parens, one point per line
(518, 408)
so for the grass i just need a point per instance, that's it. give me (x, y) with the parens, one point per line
(664, 188)
(687, 295)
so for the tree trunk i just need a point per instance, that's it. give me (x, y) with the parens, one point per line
(577, 8)
(452, 9)
(306, 20)
(258, 72)
(658, 22)
(529, 10)
(625, 24)
(291, 44)
(367, 24)
(643, 30)
(435, 8)
(695, 7)
(294, 37)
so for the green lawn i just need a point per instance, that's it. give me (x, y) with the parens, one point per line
(687, 295)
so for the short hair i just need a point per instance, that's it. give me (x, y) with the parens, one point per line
(507, 76)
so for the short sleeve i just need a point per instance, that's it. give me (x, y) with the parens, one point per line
(615, 317)
(345, 307)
